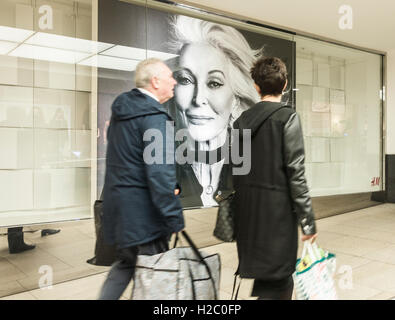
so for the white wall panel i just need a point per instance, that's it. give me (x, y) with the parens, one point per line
(327, 175)
(16, 190)
(16, 106)
(54, 188)
(83, 148)
(54, 75)
(16, 147)
(83, 78)
(82, 112)
(54, 109)
(58, 188)
(8, 70)
(304, 71)
(24, 16)
(63, 17)
(82, 186)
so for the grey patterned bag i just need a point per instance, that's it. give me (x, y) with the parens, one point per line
(224, 226)
(184, 273)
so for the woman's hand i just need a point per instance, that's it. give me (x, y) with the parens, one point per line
(311, 237)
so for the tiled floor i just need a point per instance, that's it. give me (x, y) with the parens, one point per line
(363, 241)
(66, 252)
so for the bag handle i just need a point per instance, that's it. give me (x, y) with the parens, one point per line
(312, 249)
(197, 253)
(234, 287)
(175, 240)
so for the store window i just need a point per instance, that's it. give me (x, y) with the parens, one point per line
(57, 85)
(45, 111)
(338, 96)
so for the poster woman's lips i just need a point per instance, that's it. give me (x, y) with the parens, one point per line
(198, 120)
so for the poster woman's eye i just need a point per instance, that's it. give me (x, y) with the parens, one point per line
(184, 81)
(184, 78)
(214, 84)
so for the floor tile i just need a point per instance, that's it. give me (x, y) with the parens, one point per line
(10, 288)
(20, 296)
(343, 260)
(355, 246)
(29, 262)
(32, 282)
(67, 252)
(372, 223)
(76, 289)
(386, 255)
(376, 275)
(384, 296)
(9, 271)
(356, 293)
(347, 230)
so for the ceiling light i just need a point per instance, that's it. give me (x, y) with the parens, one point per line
(67, 43)
(108, 62)
(160, 55)
(6, 46)
(126, 52)
(47, 54)
(14, 34)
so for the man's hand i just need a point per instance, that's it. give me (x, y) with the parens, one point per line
(311, 237)
(177, 192)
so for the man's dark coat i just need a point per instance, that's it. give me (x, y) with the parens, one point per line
(139, 203)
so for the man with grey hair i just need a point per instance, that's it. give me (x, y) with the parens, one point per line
(141, 208)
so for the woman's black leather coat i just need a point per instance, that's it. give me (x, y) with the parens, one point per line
(273, 198)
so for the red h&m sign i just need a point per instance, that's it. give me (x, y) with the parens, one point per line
(375, 181)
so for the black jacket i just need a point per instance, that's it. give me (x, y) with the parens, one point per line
(139, 203)
(273, 198)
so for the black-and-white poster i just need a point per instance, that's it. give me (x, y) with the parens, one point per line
(211, 63)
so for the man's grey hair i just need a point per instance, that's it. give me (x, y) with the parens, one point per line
(146, 70)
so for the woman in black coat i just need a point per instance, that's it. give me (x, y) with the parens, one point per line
(273, 198)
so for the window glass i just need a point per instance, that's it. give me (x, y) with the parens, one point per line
(338, 96)
(45, 111)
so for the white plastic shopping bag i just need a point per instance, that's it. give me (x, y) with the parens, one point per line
(313, 278)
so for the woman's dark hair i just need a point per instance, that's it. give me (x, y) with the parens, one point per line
(270, 75)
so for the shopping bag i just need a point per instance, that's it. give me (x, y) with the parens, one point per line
(183, 273)
(105, 255)
(313, 278)
(224, 225)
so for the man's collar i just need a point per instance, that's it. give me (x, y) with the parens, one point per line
(145, 91)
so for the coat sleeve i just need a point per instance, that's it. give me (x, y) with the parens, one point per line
(161, 174)
(294, 156)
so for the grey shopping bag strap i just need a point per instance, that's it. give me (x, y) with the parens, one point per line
(234, 287)
(197, 253)
(175, 240)
(102, 194)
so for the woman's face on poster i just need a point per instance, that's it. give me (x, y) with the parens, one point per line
(203, 93)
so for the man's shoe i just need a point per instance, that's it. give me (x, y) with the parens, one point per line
(48, 232)
(92, 260)
(22, 247)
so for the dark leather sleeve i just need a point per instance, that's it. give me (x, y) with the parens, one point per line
(294, 156)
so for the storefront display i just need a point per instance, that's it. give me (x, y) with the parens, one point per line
(62, 63)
